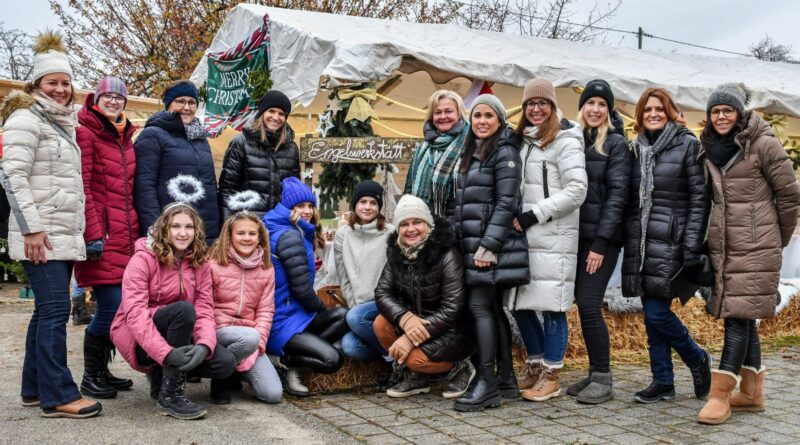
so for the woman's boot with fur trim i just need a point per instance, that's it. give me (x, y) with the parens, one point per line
(750, 397)
(718, 409)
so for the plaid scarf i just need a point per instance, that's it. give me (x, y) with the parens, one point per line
(195, 130)
(433, 176)
(647, 154)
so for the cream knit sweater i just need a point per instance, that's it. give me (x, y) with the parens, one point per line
(360, 253)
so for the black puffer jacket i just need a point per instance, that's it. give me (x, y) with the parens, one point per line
(431, 287)
(603, 211)
(250, 164)
(677, 224)
(487, 199)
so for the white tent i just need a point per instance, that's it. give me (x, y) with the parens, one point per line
(306, 46)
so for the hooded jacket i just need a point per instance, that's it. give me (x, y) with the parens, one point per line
(148, 286)
(296, 303)
(431, 287)
(553, 187)
(676, 227)
(41, 174)
(109, 168)
(608, 194)
(487, 199)
(756, 199)
(244, 296)
(250, 164)
(163, 152)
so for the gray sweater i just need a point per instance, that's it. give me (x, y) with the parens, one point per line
(360, 253)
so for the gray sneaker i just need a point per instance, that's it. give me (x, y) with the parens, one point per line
(459, 379)
(414, 383)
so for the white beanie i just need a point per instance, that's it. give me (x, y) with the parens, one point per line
(49, 56)
(409, 207)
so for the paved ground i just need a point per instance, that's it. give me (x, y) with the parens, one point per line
(374, 418)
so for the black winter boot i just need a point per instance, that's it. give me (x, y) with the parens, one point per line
(94, 383)
(172, 399)
(506, 380)
(220, 392)
(80, 313)
(483, 393)
(701, 376)
(155, 377)
(116, 382)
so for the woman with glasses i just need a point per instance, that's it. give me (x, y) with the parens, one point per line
(756, 197)
(553, 187)
(108, 165)
(174, 143)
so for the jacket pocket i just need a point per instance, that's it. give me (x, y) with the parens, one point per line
(52, 202)
(752, 225)
(104, 214)
(485, 209)
(673, 229)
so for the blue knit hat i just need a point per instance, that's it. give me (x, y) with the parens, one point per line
(183, 88)
(295, 192)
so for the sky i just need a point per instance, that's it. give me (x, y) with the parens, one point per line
(731, 25)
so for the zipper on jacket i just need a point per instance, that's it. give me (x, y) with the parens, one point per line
(544, 180)
(180, 279)
(127, 207)
(241, 296)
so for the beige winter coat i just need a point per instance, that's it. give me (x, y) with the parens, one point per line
(756, 198)
(41, 173)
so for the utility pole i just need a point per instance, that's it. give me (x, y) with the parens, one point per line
(641, 35)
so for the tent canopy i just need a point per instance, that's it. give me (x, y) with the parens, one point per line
(307, 46)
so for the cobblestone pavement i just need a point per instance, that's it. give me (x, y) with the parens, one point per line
(429, 419)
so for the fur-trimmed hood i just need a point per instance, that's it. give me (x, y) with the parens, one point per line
(441, 239)
(16, 100)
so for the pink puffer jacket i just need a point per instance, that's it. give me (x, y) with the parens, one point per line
(147, 286)
(244, 295)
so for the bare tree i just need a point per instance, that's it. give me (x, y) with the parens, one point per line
(771, 51)
(16, 59)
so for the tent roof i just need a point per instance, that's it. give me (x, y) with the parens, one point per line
(306, 46)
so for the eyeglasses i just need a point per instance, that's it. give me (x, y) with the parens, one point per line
(191, 103)
(111, 97)
(727, 112)
(542, 104)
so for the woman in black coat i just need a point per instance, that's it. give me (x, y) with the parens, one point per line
(665, 228)
(262, 156)
(495, 257)
(174, 143)
(420, 298)
(608, 168)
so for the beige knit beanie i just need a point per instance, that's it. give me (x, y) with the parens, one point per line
(409, 207)
(539, 87)
(49, 56)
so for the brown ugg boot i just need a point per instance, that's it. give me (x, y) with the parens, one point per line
(530, 375)
(546, 388)
(750, 396)
(718, 409)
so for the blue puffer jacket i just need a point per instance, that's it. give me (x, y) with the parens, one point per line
(163, 152)
(296, 303)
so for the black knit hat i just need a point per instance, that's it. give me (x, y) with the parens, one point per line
(597, 88)
(274, 99)
(370, 189)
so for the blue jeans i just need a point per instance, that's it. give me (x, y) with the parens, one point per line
(361, 343)
(44, 371)
(549, 340)
(108, 299)
(665, 332)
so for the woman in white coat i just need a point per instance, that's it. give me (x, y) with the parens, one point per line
(553, 187)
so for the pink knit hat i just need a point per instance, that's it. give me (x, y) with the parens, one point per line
(110, 85)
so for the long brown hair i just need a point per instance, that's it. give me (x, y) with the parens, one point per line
(219, 250)
(316, 221)
(548, 130)
(258, 126)
(670, 108)
(160, 233)
(353, 219)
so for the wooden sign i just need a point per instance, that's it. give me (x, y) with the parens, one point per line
(369, 150)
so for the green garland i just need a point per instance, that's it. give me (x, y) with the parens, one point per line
(337, 181)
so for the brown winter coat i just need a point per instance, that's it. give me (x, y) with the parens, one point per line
(756, 199)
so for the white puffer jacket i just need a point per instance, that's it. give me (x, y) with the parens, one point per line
(553, 242)
(42, 176)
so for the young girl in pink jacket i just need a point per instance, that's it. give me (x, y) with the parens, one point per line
(165, 322)
(244, 303)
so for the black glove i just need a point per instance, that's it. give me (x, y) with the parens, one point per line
(705, 276)
(527, 219)
(197, 354)
(178, 357)
(691, 259)
(94, 249)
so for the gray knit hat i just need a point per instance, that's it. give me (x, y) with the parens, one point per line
(492, 101)
(731, 94)
(409, 207)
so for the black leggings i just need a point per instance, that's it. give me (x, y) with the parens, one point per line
(742, 346)
(312, 349)
(175, 322)
(589, 292)
(492, 330)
